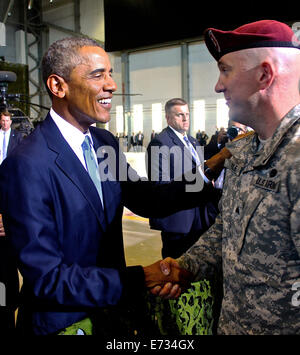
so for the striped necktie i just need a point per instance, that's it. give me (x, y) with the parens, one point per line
(192, 150)
(92, 165)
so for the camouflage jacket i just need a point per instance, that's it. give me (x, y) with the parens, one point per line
(256, 237)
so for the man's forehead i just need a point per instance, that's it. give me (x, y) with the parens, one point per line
(234, 59)
(179, 107)
(228, 58)
(92, 50)
(94, 55)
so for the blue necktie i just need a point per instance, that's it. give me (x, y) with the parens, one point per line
(192, 150)
(92, 165)
(4, 149)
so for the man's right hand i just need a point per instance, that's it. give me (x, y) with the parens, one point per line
(176, 277)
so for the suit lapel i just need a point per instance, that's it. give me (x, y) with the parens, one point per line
(174, 138)
(196, 144)
(11, 141)
(178, 142)
(193, 141)
(187, 156)
(110, 187)
(68, 162)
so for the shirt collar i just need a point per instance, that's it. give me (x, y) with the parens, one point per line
(71, 134)
(179, 135)
(6, 132)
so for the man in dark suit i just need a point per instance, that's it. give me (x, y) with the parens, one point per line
(133, 141)
(153, 135)
(66, 229)
(9, 138)
(139, 141)
(218, 140)
(216, 143)
(168, 157)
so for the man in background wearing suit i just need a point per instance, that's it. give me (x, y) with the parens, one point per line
(9, 138)
(66, 229)
(218, 140)
(168, 157)
(139, 138)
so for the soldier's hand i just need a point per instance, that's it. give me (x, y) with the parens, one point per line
(166, 278)
(168, 291)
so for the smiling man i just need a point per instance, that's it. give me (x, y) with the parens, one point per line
(66, 227)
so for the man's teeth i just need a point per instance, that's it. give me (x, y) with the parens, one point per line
(104, 101)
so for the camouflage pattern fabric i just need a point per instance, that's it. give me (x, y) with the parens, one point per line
(190, 314)
(83, 327)
(193, 310)
(256, 238)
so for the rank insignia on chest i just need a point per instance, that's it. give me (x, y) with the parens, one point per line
(235, 168)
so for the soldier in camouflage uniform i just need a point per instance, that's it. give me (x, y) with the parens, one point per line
(257, 235)
(255, 240)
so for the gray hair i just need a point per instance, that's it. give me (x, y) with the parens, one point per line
(62, 57)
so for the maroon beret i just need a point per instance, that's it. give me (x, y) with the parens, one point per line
(265, 33)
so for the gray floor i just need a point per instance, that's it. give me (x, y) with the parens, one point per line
(142, 244)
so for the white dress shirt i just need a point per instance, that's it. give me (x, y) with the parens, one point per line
(200, 168)
(7, 135)
(72, 135)
(179, 135)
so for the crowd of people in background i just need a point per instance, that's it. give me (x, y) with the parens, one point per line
(136, 141)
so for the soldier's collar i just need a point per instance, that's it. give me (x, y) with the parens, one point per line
(271, 145)
(241, 153)
(238, 147)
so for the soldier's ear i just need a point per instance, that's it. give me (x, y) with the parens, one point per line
(57, 85)
(266, 75)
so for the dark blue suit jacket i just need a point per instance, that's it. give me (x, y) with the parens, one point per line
(14, 139)
(69, 251)
(166, 167)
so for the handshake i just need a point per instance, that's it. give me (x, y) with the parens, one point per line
(166, 279)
